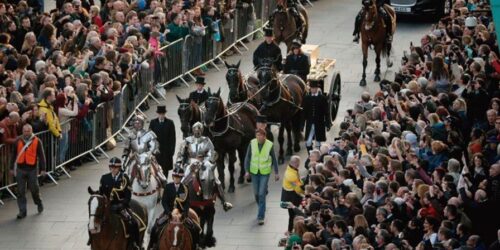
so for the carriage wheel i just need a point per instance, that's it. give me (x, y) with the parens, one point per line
(334, 95)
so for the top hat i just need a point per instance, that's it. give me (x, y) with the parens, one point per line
(161, 109)
(268, 32)
(313, 83)
(261, 119)
(200, 80)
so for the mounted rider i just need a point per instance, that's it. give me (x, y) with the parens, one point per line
(288, 5)
(381, 10)
(175, 196)
(141, 141)
(196, 147)
(117, 186)
(268, 50)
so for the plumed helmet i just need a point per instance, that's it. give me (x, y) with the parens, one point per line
(197, 125)
(139, 118)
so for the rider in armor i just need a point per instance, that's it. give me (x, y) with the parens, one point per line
(291, 5)
(381, 11)
(116, 185)
(141, 141)
(195, 146)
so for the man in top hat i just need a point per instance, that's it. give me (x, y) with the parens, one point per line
(200, 95)
(164, 130)
(268, 50)
(316, 115)
(297, 62)
(261, 123)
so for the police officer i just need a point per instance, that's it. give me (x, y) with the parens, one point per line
(268, 50)
(116, 185)
(200, 95)
(297, 62)
(381, 11)
(316, 113)
(175, 196)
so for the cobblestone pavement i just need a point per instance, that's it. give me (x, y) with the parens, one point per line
(63, 223)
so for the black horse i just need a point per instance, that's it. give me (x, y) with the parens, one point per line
(282, 102)
(189, 114)
(239, 89)
(230, 130)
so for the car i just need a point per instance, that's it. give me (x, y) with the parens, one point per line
(422, 7)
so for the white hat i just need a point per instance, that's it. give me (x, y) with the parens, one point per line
(471, 22)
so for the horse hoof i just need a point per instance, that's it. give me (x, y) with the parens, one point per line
(296, 148)
(377, 78)
(241, 180)
(289, 152)
(389, 64)
(230, 189)
(362, 83)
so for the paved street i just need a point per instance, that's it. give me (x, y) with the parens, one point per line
(64, 221)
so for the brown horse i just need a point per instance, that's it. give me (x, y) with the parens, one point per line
(282, 102)
(230, 130)
(239, 89)
(175, 235)
(373, 33)
(105, 228)
(285, 27)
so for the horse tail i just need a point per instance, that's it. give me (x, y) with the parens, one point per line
(386, 50)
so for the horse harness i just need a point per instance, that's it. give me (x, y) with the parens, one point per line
(227, 116)
(281, 87)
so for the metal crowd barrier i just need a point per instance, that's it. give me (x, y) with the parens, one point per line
(90, 133)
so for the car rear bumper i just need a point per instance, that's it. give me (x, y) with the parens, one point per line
(415, 7)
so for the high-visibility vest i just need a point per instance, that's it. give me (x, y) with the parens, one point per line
(261, 161)
(28, 156)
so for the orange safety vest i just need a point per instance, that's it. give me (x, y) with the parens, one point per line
(28, 156)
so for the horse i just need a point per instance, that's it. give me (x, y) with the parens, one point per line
(189, 113)
(282, 102)
(204, 187)
(285, 27)
(373, 33)
(106, 231)
(239, 89)
(146, 184)
(175, 235)
(230, 130)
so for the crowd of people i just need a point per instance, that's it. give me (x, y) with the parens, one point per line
(416, 164)
(60, 65)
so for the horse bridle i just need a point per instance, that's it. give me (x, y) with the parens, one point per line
(99, 215)
(235, 72)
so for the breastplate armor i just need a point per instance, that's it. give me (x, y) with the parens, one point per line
(144, 141)
(200, 146)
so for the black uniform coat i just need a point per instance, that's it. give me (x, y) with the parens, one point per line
(172, 199)
(199, 98)
(316, 112)
(165, 134)
(268, 51)
(118, 191)
(298, 65)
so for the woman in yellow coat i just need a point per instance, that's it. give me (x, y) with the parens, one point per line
(292, 191)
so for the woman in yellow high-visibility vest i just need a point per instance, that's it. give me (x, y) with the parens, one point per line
(259, 161)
